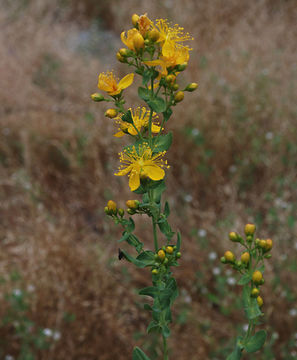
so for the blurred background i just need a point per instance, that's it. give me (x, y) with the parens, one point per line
(63, 293)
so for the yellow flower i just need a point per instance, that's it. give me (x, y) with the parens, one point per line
(141, 162)
(144, 24)
(172, 55)
(133, 40)
(108, 83)
(140, 118)
(166, 32)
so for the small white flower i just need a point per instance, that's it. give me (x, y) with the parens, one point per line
(269, 135)
(245, 327)
(293, 312)
(9, 357)
(216, 271)
(56, 335)
(30, 288)
(228, 272)
(293, 353)
(188, 198)
(202, 232)
(17, 292)
(231, 281)
(232, 168)
(195, 132)
(47, 332)
(212, 255)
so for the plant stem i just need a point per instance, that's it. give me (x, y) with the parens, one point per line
(155, 235)
(165, 350)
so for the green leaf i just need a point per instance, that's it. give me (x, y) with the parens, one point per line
(124, 237)
(138, 354)
(134, 241)
(245, 279)
(147, 307)
(130, 226)
(166, 209)
(166, 229)
(250, 304)
(236, 353)
(256, 342)
(144, 94)
(157, 191)
(167, 113)
(165, 331)
(162, 142)
(134, 261)
(151, 291)
(178, 243)
(157, 104)
(147, 257)
(127, 117)
(153, 327)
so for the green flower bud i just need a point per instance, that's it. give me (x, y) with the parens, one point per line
(97, 97)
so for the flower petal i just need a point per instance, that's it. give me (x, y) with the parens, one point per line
(134, 180)
(153, 62)
(126, 81)
(155, 128)
(124, 171)
(154, 172)
(119, 134)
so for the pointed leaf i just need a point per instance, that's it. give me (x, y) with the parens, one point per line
(256, 342)
(151, 291)
(127, 117)
(157, 104)
(178, 243)
(162, 142)
(134, 261)
(144, 94)
(245, 279)
(138, 354)
(166, 209)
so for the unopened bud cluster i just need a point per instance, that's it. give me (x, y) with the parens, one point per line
(255, 251)
(164, 258)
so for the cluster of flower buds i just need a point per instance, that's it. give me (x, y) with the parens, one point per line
(256, 250)
(164, 258)
(111, 209)
(132, 206)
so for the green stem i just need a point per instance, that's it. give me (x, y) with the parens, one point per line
(165, 350)
(155, 235)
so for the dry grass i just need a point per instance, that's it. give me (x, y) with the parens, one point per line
(58, 155)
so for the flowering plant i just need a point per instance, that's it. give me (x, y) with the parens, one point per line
(157, 53)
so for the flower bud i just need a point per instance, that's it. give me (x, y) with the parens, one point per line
(267, 256)
(97, 97)
(146, 42)
(238, 263)
(269, 244)
(111, 113)
(257, 277)
(112, 206)
(179, 96)
(191, 87)
(106, 210)
(255, 292)
(161, 254)
(124, 52)
(249, 229)
(138, 41)
(120, 57)
(132, 204)
(175, 86)
(262, 244)
(233, 236)
(249, 238)
(178, 255)
(121, 212)
(169, 249)
(155, 271)
(154, 35)
(223, 260)
(170, 78)
(257, 242)
(135, 19)
(229, 256)
(259, 301)
(131, 211)
(165, 260)
(181, 67)
(245, 257)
